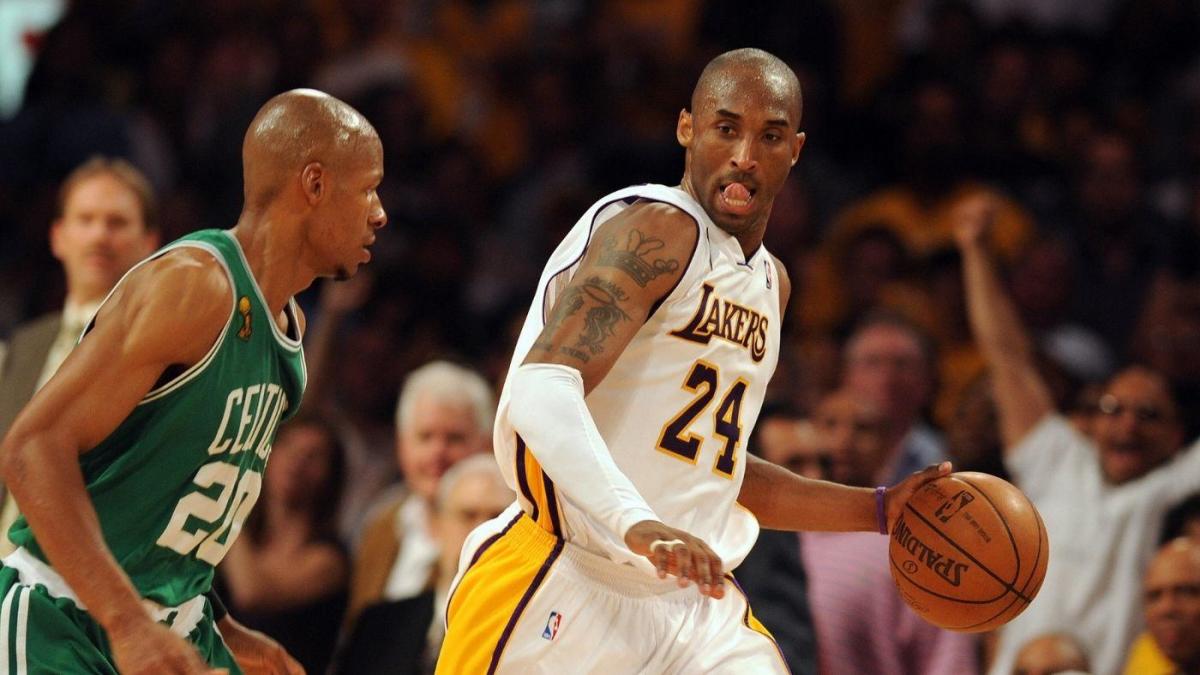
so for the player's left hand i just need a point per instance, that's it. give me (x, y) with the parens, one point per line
(897, 496)
(256, 653)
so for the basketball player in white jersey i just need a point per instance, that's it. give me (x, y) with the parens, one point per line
(622, 427)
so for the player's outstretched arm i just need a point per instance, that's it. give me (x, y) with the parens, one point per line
(1022, 397)
(782, 500)
(170, 311)
(633, 262)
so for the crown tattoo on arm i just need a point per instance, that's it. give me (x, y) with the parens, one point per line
(633, 257)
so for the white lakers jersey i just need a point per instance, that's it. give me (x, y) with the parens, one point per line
(679, 404)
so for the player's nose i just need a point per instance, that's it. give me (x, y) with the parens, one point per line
(378, 219)
(743, 156)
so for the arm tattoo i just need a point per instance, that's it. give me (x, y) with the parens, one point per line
(604, 314)
(601, 319)
(633, 257)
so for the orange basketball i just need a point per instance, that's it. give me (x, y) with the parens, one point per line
(969, 552)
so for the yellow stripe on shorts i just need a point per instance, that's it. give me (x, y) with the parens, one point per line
(538, 490)
(493, 594)
(750, 621)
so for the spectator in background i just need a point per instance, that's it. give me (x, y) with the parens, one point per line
(107, 221)
(1102, 497)
(1182, 521)
(973, 437)
(932, 155)
(1050, 654)
(889, 365)
(403, 637)
(862, 624)
(444, 415)
(1172, 608)
(772, 575)
(852, 276)
(785, 438)
(288, 575)
(852, 433)
(1117, 239)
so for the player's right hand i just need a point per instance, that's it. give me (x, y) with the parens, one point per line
(144, 647)
(677, 553)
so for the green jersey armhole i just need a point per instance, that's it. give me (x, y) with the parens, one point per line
(198, 367)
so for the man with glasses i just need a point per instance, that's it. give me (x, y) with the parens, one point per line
(1102, 496)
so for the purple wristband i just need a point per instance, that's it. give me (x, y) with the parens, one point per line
(880, 512)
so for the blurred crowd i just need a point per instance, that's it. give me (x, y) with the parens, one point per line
(993, 233)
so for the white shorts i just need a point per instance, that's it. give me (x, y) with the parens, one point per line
(526, 601)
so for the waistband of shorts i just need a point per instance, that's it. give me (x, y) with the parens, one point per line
(31, 571)
(529, 538)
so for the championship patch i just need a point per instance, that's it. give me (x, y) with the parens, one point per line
(552, 625)
(244, 309)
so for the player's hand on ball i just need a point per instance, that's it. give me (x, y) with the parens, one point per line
(677, 553)
(897, 496)
(256, 653)
(148, 648)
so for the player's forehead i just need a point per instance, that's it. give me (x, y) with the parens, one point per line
(750, 93)
(363, 153)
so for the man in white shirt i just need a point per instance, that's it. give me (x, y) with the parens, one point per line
(1102, 497)
(404, 636)
(106, 222)
(443, 416)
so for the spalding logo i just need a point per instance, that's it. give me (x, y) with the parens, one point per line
(943, 565)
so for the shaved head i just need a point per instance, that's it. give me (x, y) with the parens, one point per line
(730, 70)
(295, 129)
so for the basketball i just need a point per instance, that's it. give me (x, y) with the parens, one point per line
(969, 552)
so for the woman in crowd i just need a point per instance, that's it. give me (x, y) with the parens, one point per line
(287, 574)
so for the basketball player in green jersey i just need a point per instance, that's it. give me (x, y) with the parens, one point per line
(137, 463)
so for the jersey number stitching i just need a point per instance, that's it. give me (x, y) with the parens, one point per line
(678, 442)
(243, 493)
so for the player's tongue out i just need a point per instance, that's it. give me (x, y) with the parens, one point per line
(737, 198)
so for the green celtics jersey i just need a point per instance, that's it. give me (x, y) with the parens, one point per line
(175, 481)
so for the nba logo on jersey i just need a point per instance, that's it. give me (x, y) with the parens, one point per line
(552, 624)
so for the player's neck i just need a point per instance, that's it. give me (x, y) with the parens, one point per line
(274, 258)
(750, 241)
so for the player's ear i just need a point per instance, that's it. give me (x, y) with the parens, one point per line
(312, 182)
(684, 131)
(797, 145)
